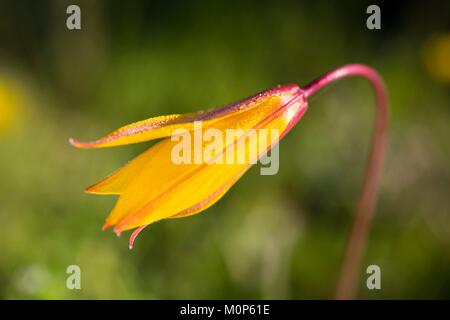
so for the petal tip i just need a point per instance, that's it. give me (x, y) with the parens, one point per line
(76, 143)
(91, 189)
(86, 145)
(106, 226)
(134, 236)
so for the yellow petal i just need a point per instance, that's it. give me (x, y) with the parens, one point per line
(163, 126)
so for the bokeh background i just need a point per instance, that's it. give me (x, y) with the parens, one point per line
(276, 236)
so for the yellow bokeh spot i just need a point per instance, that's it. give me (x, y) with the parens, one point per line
(9, 106)
(436, 57)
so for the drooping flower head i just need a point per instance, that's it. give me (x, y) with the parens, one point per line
(183, 175)
(154, 186)
(169, 181)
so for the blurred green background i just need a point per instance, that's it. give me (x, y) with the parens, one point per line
(276, 236)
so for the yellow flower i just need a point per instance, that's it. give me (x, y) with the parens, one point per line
(436, 57)
(176, 178)
(153, 186)
(10, 103)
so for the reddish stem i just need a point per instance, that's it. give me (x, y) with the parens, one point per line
(357, 241)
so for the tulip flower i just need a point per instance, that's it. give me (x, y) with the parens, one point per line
(153, 186)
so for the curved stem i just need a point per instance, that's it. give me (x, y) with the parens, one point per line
(357, 241)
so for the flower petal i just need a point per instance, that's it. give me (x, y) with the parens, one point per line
(163, 126)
